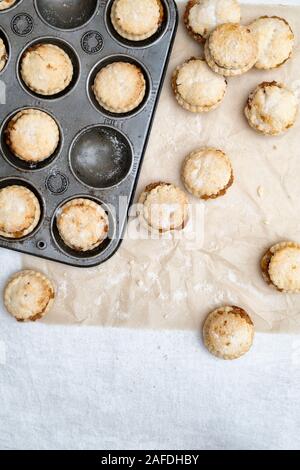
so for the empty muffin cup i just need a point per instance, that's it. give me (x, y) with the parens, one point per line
(68, 14)
(101, 157)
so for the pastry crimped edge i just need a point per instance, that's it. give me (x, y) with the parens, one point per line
(131, 107)
(14, 120)
(48, 284)
(196, 193)
(260, 128)
(266, 260)
(26, 76)
(221, 70)
(86, 202)
(133, 37)
(220, 311)
(260, 67)
(184, 104)
(4, 56)
(36, 220)
(142, 200)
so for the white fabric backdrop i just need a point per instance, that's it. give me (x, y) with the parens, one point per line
(86, 388)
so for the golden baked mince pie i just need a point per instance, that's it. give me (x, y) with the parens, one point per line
(46, 69)
(231, 49)
(82, 224)
(275, 40)
(20, 212)
(3, 55)
(280, 267)
(32, 135)
(196, 87)
(203, 16)
(29, 296)
(120, 87)
(5, 4)
(228, 332)
(164, 207)
(207, 173)
(272, 108)
(137, 20)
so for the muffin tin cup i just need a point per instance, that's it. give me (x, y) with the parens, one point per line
(101, 157)
(66, 47)
(115, 143)
(18, 163)
(152, 40)
(101, 249)
(8, 10)
(110, 60)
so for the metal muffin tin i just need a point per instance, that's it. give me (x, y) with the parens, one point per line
(100, 154)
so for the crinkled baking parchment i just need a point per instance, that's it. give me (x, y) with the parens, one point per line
(169, 284)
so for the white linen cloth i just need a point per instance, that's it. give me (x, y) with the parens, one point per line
(96, 388)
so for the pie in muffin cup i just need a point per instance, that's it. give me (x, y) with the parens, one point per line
(137, 20)
(46, 69)
(3, 55)
(20, 212)
(82, 224)
(5, 4)
(32, 135)
(231, 49)
(120, 87)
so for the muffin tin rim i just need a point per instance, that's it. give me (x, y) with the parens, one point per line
(112, 230)
(67, 30)
(48, 98)
(83, 131)
(58, 150)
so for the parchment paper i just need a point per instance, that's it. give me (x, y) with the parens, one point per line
(169, 284)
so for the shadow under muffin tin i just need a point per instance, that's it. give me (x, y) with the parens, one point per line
(100, 153)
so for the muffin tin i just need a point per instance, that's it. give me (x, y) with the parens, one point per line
(100, 153)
